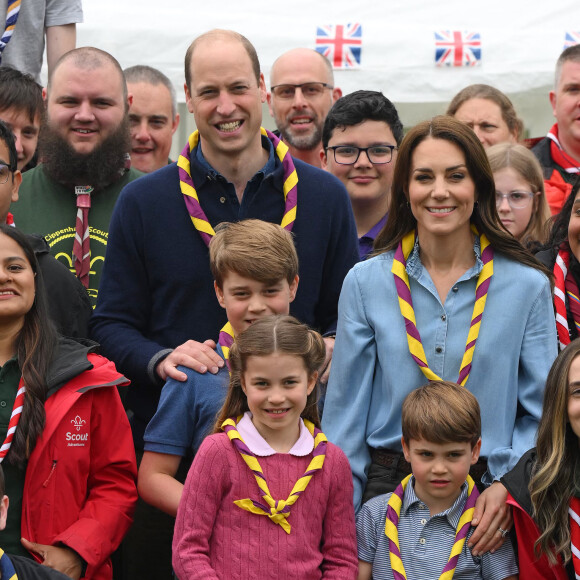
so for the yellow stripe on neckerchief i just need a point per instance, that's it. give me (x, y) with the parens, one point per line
(225, 340)
(12, 12)
(392, 522)
(406, 305)
(198, 217)
(277, 510)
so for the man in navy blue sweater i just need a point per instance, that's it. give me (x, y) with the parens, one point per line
(156, 298)
(157, 291)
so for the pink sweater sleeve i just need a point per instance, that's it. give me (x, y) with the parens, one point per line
(200, 502)
(338, 545)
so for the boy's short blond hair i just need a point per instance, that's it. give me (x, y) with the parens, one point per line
(253, 249)
(441, 412)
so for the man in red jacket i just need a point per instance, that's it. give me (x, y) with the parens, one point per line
(559, 151)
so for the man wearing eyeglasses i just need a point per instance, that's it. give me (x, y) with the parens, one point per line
(360, 138)
(301, 94)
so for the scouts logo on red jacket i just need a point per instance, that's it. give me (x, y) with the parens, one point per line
(76, 438)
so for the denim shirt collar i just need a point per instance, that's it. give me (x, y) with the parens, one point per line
(415, 267)
(453, 514)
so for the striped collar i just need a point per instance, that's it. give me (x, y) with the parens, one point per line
(452, 514)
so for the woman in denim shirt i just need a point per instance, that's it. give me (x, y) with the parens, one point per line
(442, 218)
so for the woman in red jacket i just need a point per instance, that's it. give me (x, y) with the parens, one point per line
(544, 487)
(69, 460)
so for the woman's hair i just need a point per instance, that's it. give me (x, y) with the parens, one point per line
(552, 482)
(273, 334)
(524, 162)
(35, 344)
(480, 91)
(558, 224)
(401, 220)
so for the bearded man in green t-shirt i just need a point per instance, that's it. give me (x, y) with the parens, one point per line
(84, 146)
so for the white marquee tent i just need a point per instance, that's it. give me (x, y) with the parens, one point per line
(519, 40)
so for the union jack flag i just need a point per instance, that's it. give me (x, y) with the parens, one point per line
(571, 38)
(457, 48)
(341, 44)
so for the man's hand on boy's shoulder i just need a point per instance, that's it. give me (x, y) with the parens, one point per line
(199, 356)
(491, 515)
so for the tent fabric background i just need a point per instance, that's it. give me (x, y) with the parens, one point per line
(520, 43)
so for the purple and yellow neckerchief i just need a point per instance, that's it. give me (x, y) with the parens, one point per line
(194, 208)
(225, 340)
(12, 12)
(391, 524)
(276, 510)
(406, 305)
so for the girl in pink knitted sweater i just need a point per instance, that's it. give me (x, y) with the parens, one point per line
(267, 496)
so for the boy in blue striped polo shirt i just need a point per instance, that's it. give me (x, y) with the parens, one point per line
(421, 529)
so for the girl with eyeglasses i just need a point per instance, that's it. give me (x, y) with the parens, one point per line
(519, 193)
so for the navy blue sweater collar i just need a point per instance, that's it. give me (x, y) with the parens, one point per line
(202, 171)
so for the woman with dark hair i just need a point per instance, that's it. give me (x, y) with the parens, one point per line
(561, 255)
(449, 295)
(544, 486)
(489, 113)
(69, 460)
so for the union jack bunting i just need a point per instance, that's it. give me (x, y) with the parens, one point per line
(457, 48)
(341, 44)
(571, 38)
